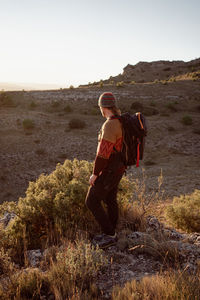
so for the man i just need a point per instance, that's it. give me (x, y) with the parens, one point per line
(107, 172)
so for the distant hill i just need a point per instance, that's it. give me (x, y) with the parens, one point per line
(157, 70)
(7, 86)
(160, 70)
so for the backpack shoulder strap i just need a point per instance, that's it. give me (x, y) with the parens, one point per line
(138, 114)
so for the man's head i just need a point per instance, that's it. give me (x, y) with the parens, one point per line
(108, 105)
(107, 99)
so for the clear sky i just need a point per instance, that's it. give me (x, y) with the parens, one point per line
(74, 42)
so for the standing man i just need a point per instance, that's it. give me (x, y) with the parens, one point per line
(107, 172)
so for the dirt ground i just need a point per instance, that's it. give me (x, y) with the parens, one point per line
(172, 147)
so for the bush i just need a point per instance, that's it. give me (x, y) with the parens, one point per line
(184, 213)
(171, 106)
(55, 104)
(67, 109)
(120, 84)
(137, 106)
(6, 100)
(101, 83)
(28, 124)
(76, 124)
(75, 269)
(32, 105)
(186, 120)
(24, 285)
(40, 151)
(54, 207)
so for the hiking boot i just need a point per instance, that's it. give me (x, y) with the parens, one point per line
(98, 237)
(105, 241)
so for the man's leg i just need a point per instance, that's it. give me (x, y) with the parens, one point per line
(112, 207)
(94, 197)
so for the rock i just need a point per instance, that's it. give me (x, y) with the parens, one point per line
(153, 225)
(34, 257)
(6, 218)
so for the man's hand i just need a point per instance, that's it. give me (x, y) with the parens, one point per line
(92, 179)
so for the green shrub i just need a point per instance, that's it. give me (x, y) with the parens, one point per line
(76, 124)
(184, 213)
(186, 120)
(55, 205)
(28, 124)
(71, 87)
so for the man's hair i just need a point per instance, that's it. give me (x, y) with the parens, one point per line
(114, 110)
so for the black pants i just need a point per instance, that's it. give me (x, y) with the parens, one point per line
(105, 189)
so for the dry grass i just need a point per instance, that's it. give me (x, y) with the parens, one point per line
(170, 285)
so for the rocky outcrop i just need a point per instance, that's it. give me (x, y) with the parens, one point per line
(157, 70)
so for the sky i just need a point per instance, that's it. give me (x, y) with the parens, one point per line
(72, 42)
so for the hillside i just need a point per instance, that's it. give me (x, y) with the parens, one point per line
(163, 70)
(171, 145)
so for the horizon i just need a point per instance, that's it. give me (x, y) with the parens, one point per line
(63, 43)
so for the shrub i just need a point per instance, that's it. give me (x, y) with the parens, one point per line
(71, 87)
(184, 213)
(54, 206)
(101, 83)
(171, 128)
(32, 105)
(76, 124)
(186, 120)
(28, 124)
(40, 151)
(5, 262)
(171, 106)
(67, 109)
(55, 104)
(75, 269)
(169, 285)
(6, 100)
(24, 285)
(137, 106)
(120, 84)
(196, 131)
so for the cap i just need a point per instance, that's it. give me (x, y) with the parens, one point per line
(107, 99)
